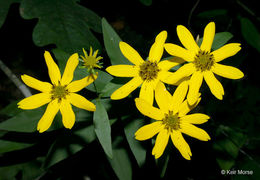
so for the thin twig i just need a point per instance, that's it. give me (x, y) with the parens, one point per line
(249, 11)
(191, 11)
(19, 84)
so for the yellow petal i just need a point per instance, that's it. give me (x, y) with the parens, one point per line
(53, 69)
(180, 143)
(81, 102)
(123, 70)
(185, 107)
(76, 86)
(34, 101)
(178, 51)
(148, 110)
(36, 84)
(126, 89)
(164, 75)
(147, 91)
(179, 95)
(130, 53)
(187, 39)
(157, 48)
(71, 65)
(194, 131)
(163, 97)
(170, 63)
(194, 87)
(182, 72)
(215, 86)
(196, 118)
(226, 51)
(68, 116)
(48, 116)
(160, 143)
(148, 131)
(208, 37)
(227, 71)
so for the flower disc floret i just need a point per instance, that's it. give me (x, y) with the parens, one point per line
(171, 121)
(148, 70)
(203, 61)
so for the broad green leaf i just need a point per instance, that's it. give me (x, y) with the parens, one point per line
(227, 146)
(100, 82)
(63, 23)
(213, 13)
(11, 109)
(102, 128)
(69, 143)
(220, 40)
(25, 121)
(250, 33)
(5, 4)
(111, 41)
(28, 170)
(113, 85)
(6, 146)
(121, 163)
(135, 145)
(146, 2)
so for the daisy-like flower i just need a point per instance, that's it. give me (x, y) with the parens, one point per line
(146, 73)
(91, 61)
(60, 94)
(171, 120)
(202, 63)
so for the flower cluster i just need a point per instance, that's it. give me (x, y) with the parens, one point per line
(151, 74)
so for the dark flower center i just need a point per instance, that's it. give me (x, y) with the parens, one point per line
(171, 121)
(59, 92)
(148, 70)
(203, 61)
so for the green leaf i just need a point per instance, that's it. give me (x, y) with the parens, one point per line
(146, 2)
(63, 23)
(121, 163)
(135, 145)
(11, 109)
(100, 82)
(6, 146)
(29, 170)
(111, 41)
(25, 121)
(5, 4)
(250, 33)
(69, 143)
(220, 40)
(227, 146)
(213, 13)
(102, 128)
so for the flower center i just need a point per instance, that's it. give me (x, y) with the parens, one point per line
(203, 61)
(148, 70)
(90, 62)
(59, 92)
(171, 121)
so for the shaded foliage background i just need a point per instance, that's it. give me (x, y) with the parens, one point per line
(28, 27)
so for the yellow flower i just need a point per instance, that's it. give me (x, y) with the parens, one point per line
(91, 61)
(171, 120)
(60, 94)
(146, 73)
(202, 63)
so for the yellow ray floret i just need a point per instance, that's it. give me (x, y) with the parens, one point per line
(171, 120)
(60, 94)
(202, 63)
(144, 73)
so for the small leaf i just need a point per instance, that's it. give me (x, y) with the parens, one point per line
(250, 33)
(111, 41)
(146, 2)
(212, 13)
(135, 145)
(102, 128)
(6, 146)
